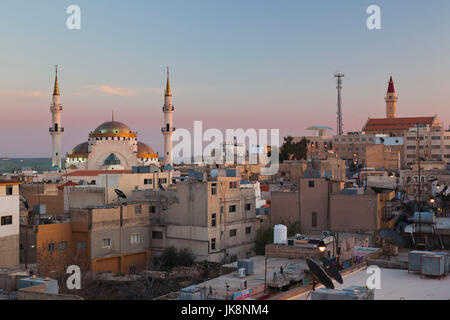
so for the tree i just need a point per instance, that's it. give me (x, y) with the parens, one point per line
(263, 237)
(172, 257)
(291, 150)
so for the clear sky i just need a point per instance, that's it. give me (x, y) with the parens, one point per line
(235, 64)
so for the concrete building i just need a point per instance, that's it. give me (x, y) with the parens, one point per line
(381, 157)
(314, 212)
(328, 165)
(433, 144)
(110, 239)
(9, 224)
(213, 216)
(353, 211)
(101, 190)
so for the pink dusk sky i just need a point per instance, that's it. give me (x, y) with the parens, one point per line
(239, 64)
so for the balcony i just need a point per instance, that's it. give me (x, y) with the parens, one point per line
(52, 130)
(164, 130)
(168, 108)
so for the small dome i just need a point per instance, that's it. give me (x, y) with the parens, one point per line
(112, 127)
(144, 149)
(80, 149)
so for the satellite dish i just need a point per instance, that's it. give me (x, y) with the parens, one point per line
(331, 269)
(120, 193)
(319, 274)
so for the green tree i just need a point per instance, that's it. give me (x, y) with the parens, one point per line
(291, 150)
(264, 236)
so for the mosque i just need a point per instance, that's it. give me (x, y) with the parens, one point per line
(112, 145)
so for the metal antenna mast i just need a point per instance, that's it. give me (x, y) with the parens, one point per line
(339, 77)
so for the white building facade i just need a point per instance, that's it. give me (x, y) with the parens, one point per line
(9, 224)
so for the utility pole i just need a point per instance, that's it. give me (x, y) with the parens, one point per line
(340, 130)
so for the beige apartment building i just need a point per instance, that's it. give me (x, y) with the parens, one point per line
(103, 193)
(110, 239)
(213, 216)
(433, 144)
(314, 198)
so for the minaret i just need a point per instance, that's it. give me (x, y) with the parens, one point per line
(391, 101)
(168, 128)
(56, 130)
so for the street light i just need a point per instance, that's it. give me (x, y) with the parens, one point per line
(432, 200)
(321, 246)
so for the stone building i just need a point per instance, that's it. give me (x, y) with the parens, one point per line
(213, 216)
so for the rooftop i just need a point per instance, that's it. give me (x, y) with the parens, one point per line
(398, 285)
(397, 123)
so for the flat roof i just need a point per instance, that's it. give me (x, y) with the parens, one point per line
(290, 266)
(397, 284)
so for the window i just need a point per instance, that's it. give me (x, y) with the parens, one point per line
(133, 270)
(314, 219)
(248, 206)
(213, 220)
(233, 232)
(162, 180)
(106, 243)
(233, 185)
(152, 209)
(6, 220)
(51, 247)
(213, 244)
(232, 208)
(112, 160)
(81, 245)
(148, 181)
(248, 230)
(213, 188)
(135, 238)
(157, 235)
(311, 184)
(221, 209)
(138, 209)
(9, 190)
(62, 246)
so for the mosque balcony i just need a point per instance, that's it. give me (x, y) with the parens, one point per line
(167, 130)
(55, 108)
(168, 108)
(53, 130)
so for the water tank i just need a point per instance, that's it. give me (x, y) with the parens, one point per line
(425, 217)
(280, 234)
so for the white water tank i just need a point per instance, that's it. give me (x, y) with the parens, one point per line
(280, 234)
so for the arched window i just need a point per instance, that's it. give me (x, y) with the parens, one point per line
(112, 160)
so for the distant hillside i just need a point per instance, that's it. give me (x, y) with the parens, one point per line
(38, 164)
